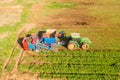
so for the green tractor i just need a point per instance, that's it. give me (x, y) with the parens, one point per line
(76, 42)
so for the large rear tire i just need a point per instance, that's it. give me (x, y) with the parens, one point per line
(72, 46)
(85, 46)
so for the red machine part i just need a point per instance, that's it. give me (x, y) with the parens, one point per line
(25, 44)
(34, 41)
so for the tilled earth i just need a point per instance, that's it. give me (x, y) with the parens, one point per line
(70, 18)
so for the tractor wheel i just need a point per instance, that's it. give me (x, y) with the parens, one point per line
(85, 46)
(72, 46)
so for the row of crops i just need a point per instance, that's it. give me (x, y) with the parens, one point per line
(77, 65)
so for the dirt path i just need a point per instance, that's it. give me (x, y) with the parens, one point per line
(75, 18)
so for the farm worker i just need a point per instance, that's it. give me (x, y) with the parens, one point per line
(37, 48)
(35, 42)
(61, 34)
(34, 39)
(41, 38)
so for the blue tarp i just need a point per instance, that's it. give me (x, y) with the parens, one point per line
(50, 40)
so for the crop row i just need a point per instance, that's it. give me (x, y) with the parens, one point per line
(76, 65)
(99, 54)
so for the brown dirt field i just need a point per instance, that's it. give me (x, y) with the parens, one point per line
(74, 18)
(38, 13)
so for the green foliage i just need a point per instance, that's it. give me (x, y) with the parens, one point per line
(56, 5)
(78, 65)
(6, 29)
(26, 2)
(19, 1)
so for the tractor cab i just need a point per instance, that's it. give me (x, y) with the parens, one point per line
(75, 35)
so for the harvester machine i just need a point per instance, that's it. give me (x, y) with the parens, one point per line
(43, 41)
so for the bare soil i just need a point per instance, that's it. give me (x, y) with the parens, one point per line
(20, 76)
(10, 15)
(69, 18)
